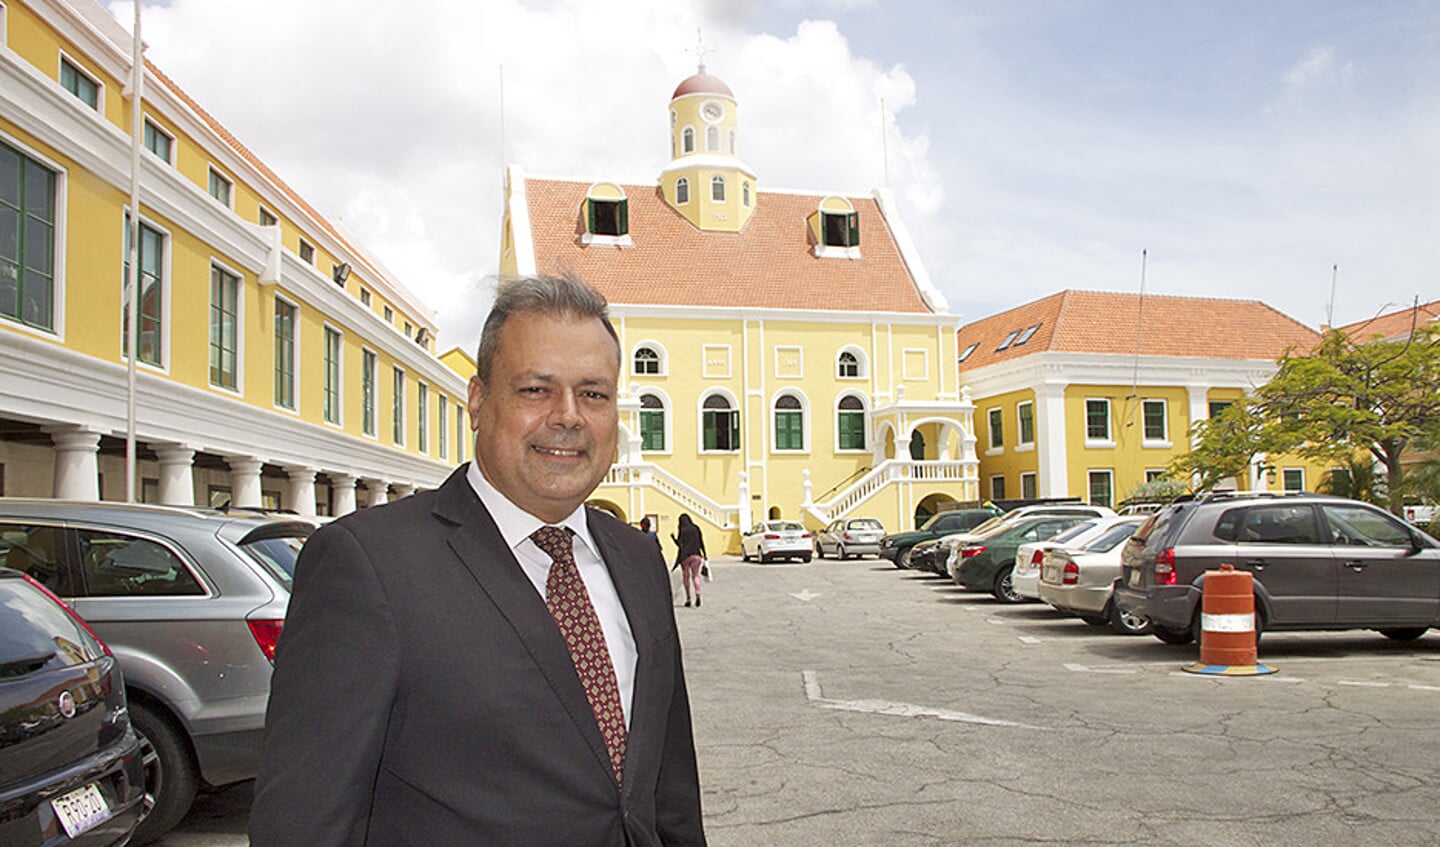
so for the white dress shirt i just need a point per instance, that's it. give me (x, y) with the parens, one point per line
(516, 525)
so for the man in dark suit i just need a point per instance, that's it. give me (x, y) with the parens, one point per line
(490, 663)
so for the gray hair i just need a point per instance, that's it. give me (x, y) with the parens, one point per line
(552, 296)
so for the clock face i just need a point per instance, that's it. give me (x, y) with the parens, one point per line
(712, 111)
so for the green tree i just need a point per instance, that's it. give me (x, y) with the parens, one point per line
(1162, 490)
(1342, 397)
(1225, 445)
(1356, 479)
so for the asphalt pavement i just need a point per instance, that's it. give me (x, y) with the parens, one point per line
(849, 703)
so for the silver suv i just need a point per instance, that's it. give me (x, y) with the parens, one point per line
(1319, 563)
(191, 602)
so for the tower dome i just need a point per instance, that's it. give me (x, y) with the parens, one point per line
(703, 83)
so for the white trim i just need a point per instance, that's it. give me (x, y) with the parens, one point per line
(62, 229)
(1164, 439)
(735, 409)
(375, 384)
(68, 58)
(1109, 474)
(863, 411)
(668, 417)
(399, 417)
(1101, 441)
(862, 362)
(703, 161)
(660, 351)
(890, 215)
(676, 188)
(1020, 443)
(705, 371)
(174, 143)
(239, 389)
(422, 410)
(1003, 494)
(800, 356)
(991, 414)
(295, 339)
(905, 374)
(167, 283)
(804, 422)
(339, 422)
(3, 33)
(732, 313)
(1034, 483)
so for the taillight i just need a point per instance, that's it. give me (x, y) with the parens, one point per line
(845, 535)
(1037, 557)
(804, 535)
(1165, 567)
(267, 635)
(969, 552)
(1072, 574)
(772, 536)
(69, 611)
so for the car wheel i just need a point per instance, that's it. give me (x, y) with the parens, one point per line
(1172, 636)
(819, 550)
(1004, 589)
(171, 776)
(902, 559)
(744, 554)
(1407, 633)
(840, 552)
(764, 559)
(805, 558)
(1127, 623)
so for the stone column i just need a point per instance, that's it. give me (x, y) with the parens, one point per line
(379, 491)
(342, 488)
(177, 474)
(403, 489)
(1051, 459)
(245, 482)
(302, 489)
(77, 469)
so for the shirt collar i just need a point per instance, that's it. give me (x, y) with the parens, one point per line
(515, 524)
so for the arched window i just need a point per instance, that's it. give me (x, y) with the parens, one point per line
(712, 139)
(652, 422)
(850, 423)
(732, 142)
(717, 189)
(848, 365)
(687, 140)
(682, 191)
(720, 424)
(647, 361)
(789, 423)
(745, 192)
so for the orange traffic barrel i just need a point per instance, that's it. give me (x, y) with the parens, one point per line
(1227, 625)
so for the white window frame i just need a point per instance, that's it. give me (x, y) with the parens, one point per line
(1090, 441)
(66, 58)
(1022, 446)
(804, 422)
(1152, 474)
(862, 362)
(1285, 472)
(295, 340)
(1003, 494)
(57, 289)
(161, 131)
(1164, 440)
(422, 411)
(682, 182)
(1034, 479)
(1091, 475)
(339, 422)
(687, 133)
(992, 416)
(239, 389)
(167, 288)
(400, 412)
(375, 394)
(229, 201)
(300, 246)
(667, 409)
(700, 421)
(864, 410)
(718, 181)
(660, 351)
(442, 425)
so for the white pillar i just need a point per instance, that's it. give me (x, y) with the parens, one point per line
(245, 482)
(342, 492)
(77, 469)
(177, 474)
(379, 491)
(1199, 405)
(403, 489)
(1051, 459)
(302, 489)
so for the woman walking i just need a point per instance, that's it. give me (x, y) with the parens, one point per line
(689, 555)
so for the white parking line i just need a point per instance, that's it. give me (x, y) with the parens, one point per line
(903, 710)
(1029, 639)
(1074, 668)
(1363, 684)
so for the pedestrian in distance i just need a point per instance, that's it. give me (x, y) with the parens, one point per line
(490, 662)
(649, 530)
(690, 555)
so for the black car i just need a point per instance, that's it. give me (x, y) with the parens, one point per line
(70, 765)
(897, 547)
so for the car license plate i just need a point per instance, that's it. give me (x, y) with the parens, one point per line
(81, 809)
(1134, 579)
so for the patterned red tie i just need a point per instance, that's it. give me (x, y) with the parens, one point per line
(570, 604)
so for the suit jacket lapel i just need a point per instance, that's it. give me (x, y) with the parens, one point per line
(478, 544)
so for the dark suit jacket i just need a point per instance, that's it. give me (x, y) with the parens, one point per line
(423, 695)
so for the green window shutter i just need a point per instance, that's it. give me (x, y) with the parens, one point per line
(734, 430)
(710, 435)
(624, 217)
(854, 229)
(589, 216)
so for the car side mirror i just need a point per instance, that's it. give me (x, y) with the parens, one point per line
(1416, 542)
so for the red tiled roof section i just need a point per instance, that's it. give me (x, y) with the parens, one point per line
(767, 265)
(1393, 324)
(1105, 322)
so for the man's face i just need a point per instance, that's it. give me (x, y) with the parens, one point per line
(546, 424)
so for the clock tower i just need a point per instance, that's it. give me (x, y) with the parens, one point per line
(706, 182)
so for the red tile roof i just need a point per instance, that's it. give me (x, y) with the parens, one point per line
(1106, 322)
(767, 265)
(1393, 324)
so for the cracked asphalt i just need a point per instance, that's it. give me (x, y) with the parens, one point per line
(848, 703)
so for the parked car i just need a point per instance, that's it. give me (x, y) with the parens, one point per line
(946, 552)
(70, 765)
(192, 602)
(770, 540)
(1079, 578)
(988, 562)
(897, 547)
(850, 537)
(1319, 563)
(1026, 578)
(928, 556)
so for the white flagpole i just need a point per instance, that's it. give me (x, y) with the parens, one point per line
(132, 278)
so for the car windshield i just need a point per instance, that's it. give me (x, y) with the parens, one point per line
(277, 555)
(783, 526)
(1074, 532)
(1110, 538)
(865, 523)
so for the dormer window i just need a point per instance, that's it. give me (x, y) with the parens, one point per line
(1009, 339)
(968, 350)
(1025, 336)
(607, 215)
(841, 230)
(835, 229)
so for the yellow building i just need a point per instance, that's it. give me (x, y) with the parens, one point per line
(1089, 394)
(785, 353)
(278, 364)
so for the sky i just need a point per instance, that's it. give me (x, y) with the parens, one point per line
(1227, 148)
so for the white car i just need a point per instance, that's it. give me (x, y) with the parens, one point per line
(770, 540)
(950, 544)
(1026, 576)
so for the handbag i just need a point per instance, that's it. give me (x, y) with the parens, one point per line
(705, 571)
